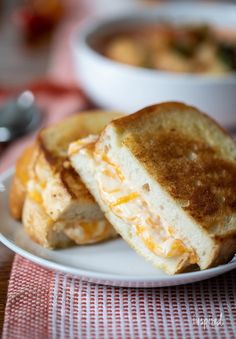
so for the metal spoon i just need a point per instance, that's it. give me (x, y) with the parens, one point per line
(18, 117)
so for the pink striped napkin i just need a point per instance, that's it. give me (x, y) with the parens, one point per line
(45, 304)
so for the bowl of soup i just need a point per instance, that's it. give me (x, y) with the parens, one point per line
(179, 52)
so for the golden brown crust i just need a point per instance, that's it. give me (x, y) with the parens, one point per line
(74, 186)
(68, 180)
(54, 140)
(24, 167)
(178, 147)
(139, 118)
(41, 228)
(191, 172)
(16, 198)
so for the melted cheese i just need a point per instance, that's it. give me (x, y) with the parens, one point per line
(157, 235)
(82, 231)
(116, 168)
(36, 196)
(86, 231)
(77, 145)
(35, 192)
(124, 199)
(130, 206)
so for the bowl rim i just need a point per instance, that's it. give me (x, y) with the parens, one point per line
(89, 26)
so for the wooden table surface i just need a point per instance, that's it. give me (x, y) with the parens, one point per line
(6, 259)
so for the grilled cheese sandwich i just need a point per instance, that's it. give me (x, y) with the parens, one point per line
(131, 206)
(58, 210)
(165, 178)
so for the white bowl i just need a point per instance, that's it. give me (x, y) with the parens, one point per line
(121, 87)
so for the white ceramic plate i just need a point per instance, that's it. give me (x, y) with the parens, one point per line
(108, 263)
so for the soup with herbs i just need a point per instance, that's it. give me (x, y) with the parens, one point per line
(174, 48)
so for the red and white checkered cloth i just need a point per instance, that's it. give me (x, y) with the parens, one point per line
(45, 304)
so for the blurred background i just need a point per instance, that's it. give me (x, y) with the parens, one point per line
(35, 55)
(30, 33)
(28, 30)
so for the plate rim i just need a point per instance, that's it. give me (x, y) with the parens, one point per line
(167, 280)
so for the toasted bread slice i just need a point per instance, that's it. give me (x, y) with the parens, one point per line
(24, 168)
(180, 167)
(86, 165)
(41, 228)
(66, 211)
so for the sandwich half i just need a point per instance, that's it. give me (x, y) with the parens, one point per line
(165, 177)
(58, 210)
